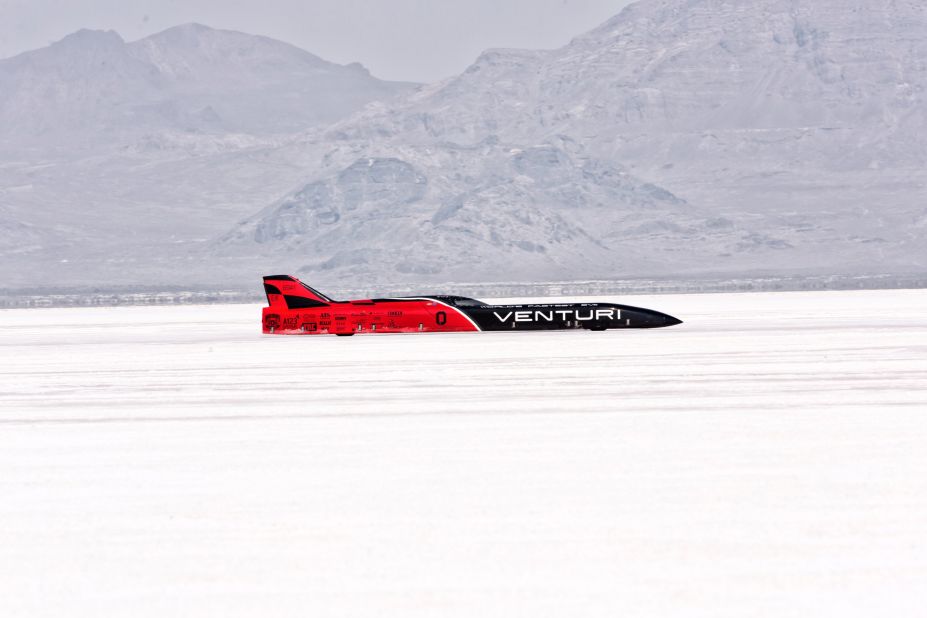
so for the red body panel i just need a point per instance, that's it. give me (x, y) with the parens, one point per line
(357, 316)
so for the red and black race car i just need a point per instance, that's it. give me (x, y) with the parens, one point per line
(294, 308)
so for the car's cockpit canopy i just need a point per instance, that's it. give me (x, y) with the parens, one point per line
(460, 301)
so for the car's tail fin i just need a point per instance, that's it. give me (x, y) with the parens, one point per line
(289, 292)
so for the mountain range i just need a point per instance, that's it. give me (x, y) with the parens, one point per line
(94, 86)
(682, 138)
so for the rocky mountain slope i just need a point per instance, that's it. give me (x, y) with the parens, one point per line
(680, 137)
(505, 212)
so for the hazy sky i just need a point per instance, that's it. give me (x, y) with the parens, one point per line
(418, 40)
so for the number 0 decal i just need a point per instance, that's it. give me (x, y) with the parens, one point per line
(441, 318)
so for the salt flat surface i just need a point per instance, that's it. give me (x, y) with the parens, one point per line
(766, 458)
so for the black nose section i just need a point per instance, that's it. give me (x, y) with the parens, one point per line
(654, 319)
(669, 320)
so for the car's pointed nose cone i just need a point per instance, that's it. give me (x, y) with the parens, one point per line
(669, 320)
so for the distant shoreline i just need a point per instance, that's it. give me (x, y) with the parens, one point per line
(116, 297)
